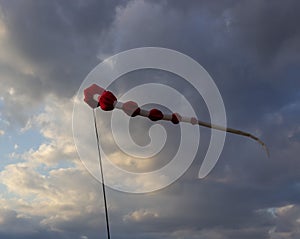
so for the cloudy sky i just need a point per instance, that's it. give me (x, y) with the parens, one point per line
(252, 51)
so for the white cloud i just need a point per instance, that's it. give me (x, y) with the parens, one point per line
(283, 210)
(11, 91)
(194, 234)
(55, 125)
(63, 196)
(57, 196)
(2, 132)
(141, 215)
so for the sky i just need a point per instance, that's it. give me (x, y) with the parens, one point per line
(252, 51)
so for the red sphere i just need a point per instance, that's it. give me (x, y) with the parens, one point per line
(107, 100)
(155, 115)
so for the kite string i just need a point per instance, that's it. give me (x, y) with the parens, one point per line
(102, 175)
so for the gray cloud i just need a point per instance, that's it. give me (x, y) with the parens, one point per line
(59, 42)
(227, 39)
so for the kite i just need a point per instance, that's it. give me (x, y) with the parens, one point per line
(95, 96)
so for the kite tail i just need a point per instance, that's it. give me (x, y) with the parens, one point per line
(235, 131)
(96, 96)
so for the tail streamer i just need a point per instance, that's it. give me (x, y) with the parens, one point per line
(95, 96)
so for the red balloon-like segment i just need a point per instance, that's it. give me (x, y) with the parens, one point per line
(96, 96)
(107, 100)
(155, 115)
(89, 95)
(175, 118)
(131, 108)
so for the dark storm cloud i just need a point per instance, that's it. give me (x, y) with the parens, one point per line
(251, 48)
(60, 38)
(263, 34)
(267, 26)
(228, 39)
